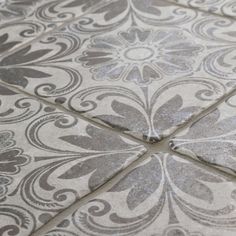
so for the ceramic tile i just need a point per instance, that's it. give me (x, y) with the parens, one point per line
(221, 7)
(164, 196)
(30, 19)
(49, 159)
(144, 71)
(212, 138)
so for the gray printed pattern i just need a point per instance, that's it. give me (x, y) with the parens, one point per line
(142, 67)
(221, 7)
(144, 70)
(212, 138)
(36, 165)
(23, 20)
(164, 196)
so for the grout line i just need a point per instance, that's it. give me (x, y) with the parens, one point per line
(201, 10)
(202, 113)
(73, 19)
(77, 115)
(162, 146)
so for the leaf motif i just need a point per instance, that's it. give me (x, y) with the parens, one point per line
(103, 168)
(6, 91)
(98, 139)
(150, 6)
(130, 118)
(208, 126)
(113, 9)
(171, 114)
(23, 56)
(190, 179)
(142, 182)
(84, 3)
(18, 76)
(4, 46)
(214, 152)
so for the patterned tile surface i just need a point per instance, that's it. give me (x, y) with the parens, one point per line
(221, 7)
(49, 159)
(24, 20)
(145, 70)
(212, 138)
(16, 9)
(164, 196)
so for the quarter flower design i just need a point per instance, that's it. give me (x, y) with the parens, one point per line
(11, 158)
(141, 56)
(11, 161)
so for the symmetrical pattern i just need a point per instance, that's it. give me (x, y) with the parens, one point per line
(49, 159)
(142, 68)
(164, 196)
(212, 139)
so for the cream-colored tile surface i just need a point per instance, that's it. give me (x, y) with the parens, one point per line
(142, 70)
(164, 196)
(49, 159)
(212, 138)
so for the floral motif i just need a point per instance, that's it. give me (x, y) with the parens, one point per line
(163, 196)
(11, 161)
(75, 154)
(141, 56)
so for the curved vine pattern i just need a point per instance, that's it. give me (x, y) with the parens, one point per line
(24, 108)
(26, 64)
(214, 29)
(220, 7)
(163, 196)
(62, 10)
(155, 57)
(221, 63)
(19, 220)
(42, 151)
(212, 139)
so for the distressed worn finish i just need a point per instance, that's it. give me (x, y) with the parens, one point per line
(142, 70)
(49, 159)
(212, 139)
(164, 196)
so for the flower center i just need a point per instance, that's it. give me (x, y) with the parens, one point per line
(138, 53)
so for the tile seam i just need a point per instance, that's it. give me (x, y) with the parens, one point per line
(201, 10)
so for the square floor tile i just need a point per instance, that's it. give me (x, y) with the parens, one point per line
(212, 138)
(49, 159)
(164, 196)
(142, 70)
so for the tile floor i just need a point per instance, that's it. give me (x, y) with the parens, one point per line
(118, 117)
